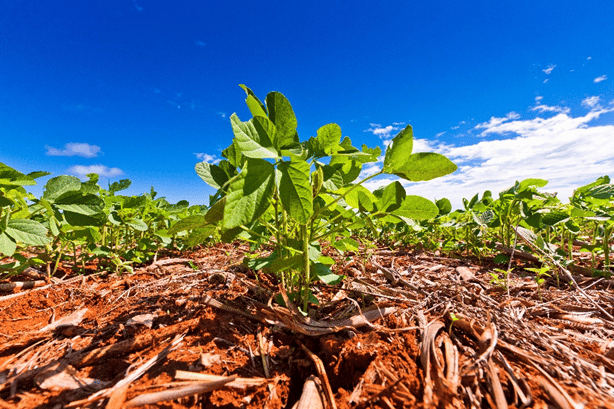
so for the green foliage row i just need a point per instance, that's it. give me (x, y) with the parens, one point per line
(85, 221)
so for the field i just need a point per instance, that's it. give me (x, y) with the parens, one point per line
(448, 337)
(299, 287)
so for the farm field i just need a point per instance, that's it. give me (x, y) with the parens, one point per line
(299, 287)
(443, 335)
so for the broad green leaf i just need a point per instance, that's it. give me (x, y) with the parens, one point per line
(88, 205)
(7, 246)
(189, 223)
(59, 185)
(137, 224)
(425, 166)
(284, 264)
(329, 137)
(601, 192)
(12, 177)
(253, 103)
(575, 212)
(358, 196)
(212, 174)
(528, 183)
(399, 150)
(251, 143)
(346, 244)
(417, 208)
(333, 178)
(200, 235)
(216, 212)
(266, 129)
(228, 236)
(28, 232)
(392, 197)
(444, 205)
(325, 275)
(79, 219)
(295, 190)
(553, 218)
(119, 186)
(38, 174)
(135, 202)
(282, 115)
(349, 168)
(234, 155)
(248, 195)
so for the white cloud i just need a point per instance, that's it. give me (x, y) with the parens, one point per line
(437, 135)
(496, 121)
(398, 123)
(103, 171)
(538, 98)
(589, 58)
(592, 102)
(74, 149)
(565, 150)
(205, 157)
(382, 132)
(549, 69)
(599, 79)
(546, 80)
(547, 108)
(222, 114)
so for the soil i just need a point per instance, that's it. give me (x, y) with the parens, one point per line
(406, 329)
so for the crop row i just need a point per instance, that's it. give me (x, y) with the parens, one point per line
(297, 197)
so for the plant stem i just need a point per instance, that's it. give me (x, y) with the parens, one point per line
(306, 262)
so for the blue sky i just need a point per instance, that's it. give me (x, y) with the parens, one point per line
(144, 89)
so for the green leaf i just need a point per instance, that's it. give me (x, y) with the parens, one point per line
(444, 205)
(137, 224)
(189, 223)
(252, 143)
(212, 174)
(425, 166)
(329, 137)
(59, 185)
(216, 212)
(553, 218)
(287, 263)
(399, 150)
(282, 115)
(75, 202)
(119, 186)
(7, 246)
(349, 168)
(417, 208)
(601, 192)
(392, 197)
(325, 275)
(28, 232)
(79, 219)
(346, 244)
(295, 190)
(359, 197)
(234, 156)
(253, 103)
(12, 177)
(200, 235)
(528, 183)
(248, 195)
(266, 129)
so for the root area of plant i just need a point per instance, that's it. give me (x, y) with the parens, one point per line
(405, 329)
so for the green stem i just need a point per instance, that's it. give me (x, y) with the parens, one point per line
(306, 262)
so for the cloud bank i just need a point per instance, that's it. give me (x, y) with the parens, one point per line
(565, 150)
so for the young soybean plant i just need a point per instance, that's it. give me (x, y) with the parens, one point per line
(274, 188)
